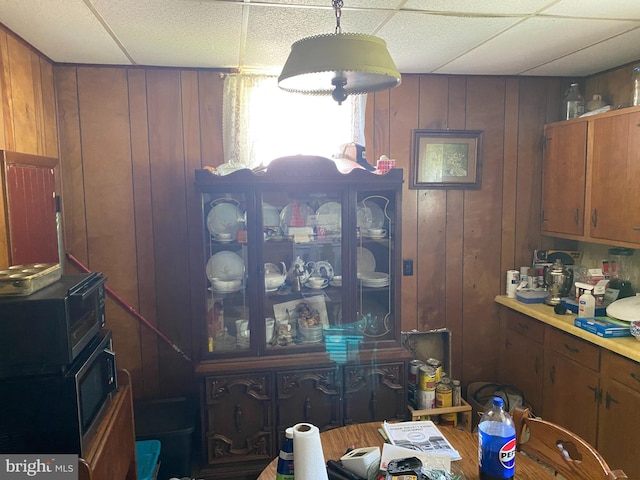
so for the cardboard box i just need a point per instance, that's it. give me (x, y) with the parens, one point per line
(430, 344)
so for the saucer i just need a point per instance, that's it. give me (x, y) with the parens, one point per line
(308, 285)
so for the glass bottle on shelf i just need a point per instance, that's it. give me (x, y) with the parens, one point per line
(572, 103)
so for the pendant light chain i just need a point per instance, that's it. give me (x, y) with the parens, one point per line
(337, 6)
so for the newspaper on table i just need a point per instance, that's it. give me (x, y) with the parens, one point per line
(421, 436)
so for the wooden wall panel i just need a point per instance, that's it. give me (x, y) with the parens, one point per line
(170, 226)
(108, 196)
(141, 170)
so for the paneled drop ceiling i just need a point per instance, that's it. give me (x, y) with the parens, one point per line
(495, 37)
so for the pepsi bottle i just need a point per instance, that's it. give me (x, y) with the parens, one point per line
(496, 443)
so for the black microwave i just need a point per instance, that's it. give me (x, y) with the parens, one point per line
(44, 332)
(60, 412)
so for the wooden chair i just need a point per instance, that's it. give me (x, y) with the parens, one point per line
(563, 451)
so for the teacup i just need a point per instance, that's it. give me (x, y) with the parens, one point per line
(224, 237)
(242, 328)
(377, 232)
(317, 282)
(336, 281)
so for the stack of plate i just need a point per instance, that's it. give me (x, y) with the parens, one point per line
(374, 279)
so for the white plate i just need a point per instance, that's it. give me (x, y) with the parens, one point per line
(225, 265)
(329, 217)
(270, 215)
(224, 218)
(369, 215)
(366, 261)
(373, 276)
(288, 214)
(625, 309)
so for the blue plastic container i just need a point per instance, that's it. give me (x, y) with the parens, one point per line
(147, 454)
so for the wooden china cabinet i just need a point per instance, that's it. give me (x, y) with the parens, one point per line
(300, 306)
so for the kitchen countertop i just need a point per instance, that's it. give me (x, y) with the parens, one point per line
(628, 347)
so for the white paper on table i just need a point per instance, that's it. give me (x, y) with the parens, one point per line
(436, 461)
(422, 436)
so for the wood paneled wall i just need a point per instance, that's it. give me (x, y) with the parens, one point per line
(463, 241)
(130, 140)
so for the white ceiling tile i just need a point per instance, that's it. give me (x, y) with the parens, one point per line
(621, 9)
(518, 7)
(533, 42)
(617, 51)
(64, 30)
(421, 43)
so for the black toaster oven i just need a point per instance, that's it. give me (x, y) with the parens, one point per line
(44, 332)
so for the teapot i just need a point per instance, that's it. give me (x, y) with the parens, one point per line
(274, 277)
(559, 280)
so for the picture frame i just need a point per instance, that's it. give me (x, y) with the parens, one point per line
(446, 159)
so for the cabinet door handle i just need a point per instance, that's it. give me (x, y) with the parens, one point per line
(609, 400)
(307, 410)
(576, 216)
(536, 365)
(594, 217)
(373, 405)
(238, 417)
(595, 392)
(636, 228)
(552, 374)
(571, 349)
(507, 344)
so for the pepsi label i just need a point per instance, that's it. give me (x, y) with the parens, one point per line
(496, 455)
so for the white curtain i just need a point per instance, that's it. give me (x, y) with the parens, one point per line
(262, 122)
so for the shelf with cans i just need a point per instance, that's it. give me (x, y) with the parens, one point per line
(434, 396)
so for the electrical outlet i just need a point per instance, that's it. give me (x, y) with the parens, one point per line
(407, 267)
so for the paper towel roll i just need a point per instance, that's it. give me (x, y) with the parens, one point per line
(307, 453)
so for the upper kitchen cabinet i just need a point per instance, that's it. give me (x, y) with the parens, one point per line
(591, 174)
(615, 198)
(564, 178)
(299, 259)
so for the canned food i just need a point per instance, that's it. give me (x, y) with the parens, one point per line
(414, 369)
(426, 399)
(456, 395)
(443, 395)
(437, 366)
(427, 379)
(449, 419)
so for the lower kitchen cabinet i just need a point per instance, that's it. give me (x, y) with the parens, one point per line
(619, 419)
(571, 389)
(586, 388)
(522, 357)
(244, 414)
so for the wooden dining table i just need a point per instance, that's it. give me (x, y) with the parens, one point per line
(336, 441)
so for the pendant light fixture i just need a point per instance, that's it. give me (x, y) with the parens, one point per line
(339, 64)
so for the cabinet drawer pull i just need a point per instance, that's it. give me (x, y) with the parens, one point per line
(636, 228)
(635, 376)
(571, 349)
(523, 326)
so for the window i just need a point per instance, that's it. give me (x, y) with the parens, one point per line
(263, 122)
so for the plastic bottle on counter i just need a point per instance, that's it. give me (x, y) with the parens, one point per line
(572, 103)
(635, 86)
(496, 443)
(285, 459)
(587, 305)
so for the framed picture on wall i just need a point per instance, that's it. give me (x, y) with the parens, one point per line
(445, 159)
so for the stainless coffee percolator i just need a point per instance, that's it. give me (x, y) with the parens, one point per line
(559, 280)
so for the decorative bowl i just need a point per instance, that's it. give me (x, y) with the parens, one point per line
(226, 285)
(635, 329)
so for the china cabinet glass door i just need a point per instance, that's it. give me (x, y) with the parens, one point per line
(227, 320)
